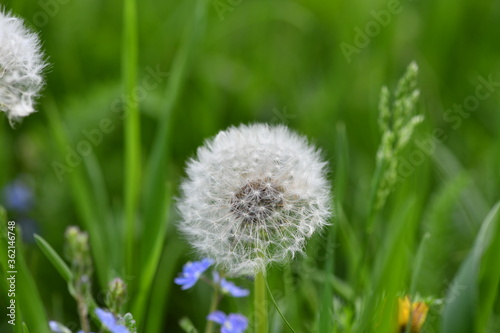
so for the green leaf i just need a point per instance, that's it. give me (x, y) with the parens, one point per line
(464, 310)
(54, 258)
(460, 300)
(489, 273)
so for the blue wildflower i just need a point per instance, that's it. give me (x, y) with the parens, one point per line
(232, 323)
(30, 227)
(58, 327)
(233, 290)
(191, 272)
(228, 287)
(109, 320)
(18, 196)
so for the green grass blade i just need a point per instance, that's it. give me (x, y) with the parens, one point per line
(157, 171)
(156, 194)
(98, 187)
(132, 132)
(54, 258)
(462, 304)
(436, 222)
(389, 274)
(489, 276)
(82, 196)
(341, 165)
(151, 263)
(278, 309)
(341, 177)
(460, 301)
(350, 243)
(162, 283)
(419, 260)
(326, 307)
(472, 203)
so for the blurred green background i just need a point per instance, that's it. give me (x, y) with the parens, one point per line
(276, 62)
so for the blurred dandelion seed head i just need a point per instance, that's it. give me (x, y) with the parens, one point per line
(21, 67)
(252, 196)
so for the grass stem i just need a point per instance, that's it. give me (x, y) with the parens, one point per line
(132, 130)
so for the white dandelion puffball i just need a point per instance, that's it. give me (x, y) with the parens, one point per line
(252, 196)
(21, 67)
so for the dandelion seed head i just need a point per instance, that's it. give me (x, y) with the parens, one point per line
(252, 196)
(21, 67)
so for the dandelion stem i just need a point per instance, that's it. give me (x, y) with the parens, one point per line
(260, 304)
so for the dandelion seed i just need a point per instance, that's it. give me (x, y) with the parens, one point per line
(253, 195)
(232, 323)
(191, 272)
(21, 67)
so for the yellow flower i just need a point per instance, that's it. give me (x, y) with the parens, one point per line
(416, 311)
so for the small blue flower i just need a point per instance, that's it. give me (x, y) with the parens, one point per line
(191, 272)
(29, 227)
(54, 326)
(233, 290)
(230, 288)
(109, 320)
(18, 196)
(58, 327)
(232, 323)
